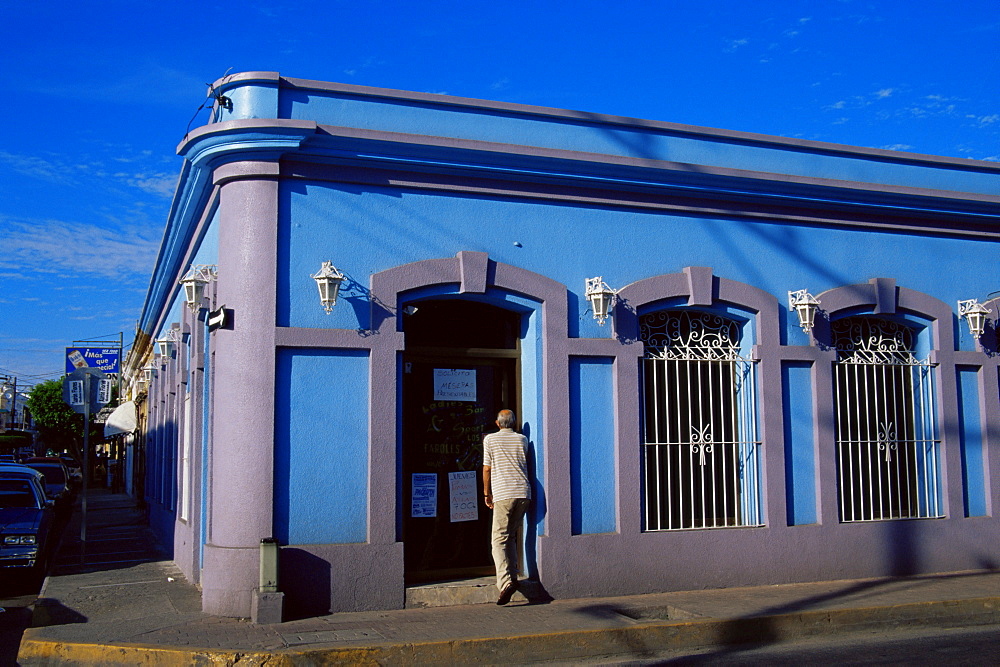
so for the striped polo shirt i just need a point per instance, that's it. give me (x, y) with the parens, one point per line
(504, 453)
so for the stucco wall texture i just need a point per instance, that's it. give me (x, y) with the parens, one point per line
(296, 415)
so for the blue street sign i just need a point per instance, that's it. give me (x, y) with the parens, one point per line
(104, 359)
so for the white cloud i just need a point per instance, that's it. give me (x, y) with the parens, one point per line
(88, 171)
(161, 185)
(885, 92)
(52, 170)
(34, 248)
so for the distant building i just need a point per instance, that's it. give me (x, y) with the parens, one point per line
(701, 437)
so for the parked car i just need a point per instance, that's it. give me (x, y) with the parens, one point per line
(58, 485)
(25, 518)
(20, 470)
(74, 466)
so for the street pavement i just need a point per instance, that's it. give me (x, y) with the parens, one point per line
(121, 602)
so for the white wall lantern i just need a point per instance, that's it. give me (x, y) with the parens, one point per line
(975, 315)
(148, 372)
(805, 306)
(166, 344)
(328, 281)
(194, 283)
(601, 298)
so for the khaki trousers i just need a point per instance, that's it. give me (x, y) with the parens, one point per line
(508, 516)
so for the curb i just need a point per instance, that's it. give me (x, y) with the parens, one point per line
(642, 640)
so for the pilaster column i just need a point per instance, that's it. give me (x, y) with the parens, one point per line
(242, 440)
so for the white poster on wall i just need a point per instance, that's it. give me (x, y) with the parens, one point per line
(464, 498)
(423, 502)
(454, 384)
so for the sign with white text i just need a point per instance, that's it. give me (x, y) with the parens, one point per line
(86, 390)
(104, 359)
(454, 384)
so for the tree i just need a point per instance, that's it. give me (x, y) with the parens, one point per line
(59, 426)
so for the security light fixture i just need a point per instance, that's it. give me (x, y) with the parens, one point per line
(328, 281)
(601, 297)
(805, 306)
(975, 315)
(194, 283)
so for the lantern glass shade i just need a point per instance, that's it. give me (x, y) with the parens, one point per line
(975, 315)
(194, 284)
(328, 281)
(805, 306)
(194, 290)
(600, 297)
(166, 345)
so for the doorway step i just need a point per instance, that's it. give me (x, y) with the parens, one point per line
(481, 590)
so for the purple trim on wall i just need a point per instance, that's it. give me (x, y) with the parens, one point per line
(568, 565)
(242, 434)
(700, 285)
(473, 271)
(479, 106)
(881, 296)
(190, 371)
(476, 272)
(686, 201)
(590, 565)
(624, 165)
(767, 196)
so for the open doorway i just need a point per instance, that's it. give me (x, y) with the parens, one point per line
(460, 367)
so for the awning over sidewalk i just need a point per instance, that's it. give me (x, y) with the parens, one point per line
(122, 420)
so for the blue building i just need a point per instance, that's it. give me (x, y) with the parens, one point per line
(785, 388)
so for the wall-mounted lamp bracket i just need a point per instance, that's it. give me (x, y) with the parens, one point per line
(328, 280)
(194, 283)
(601, 298)
(975, 315)
(805, 306)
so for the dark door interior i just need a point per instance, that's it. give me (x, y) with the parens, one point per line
(459, 369)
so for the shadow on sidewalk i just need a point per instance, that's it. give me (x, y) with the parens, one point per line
(113, 534)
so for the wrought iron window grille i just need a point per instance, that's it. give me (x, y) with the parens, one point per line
(888, 450)
(701, 452)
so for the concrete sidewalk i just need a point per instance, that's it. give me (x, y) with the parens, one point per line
(147, 613)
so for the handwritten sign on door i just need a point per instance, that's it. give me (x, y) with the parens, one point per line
(454, 384)
(464, 498)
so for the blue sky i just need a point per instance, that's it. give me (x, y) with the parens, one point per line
(97, 95)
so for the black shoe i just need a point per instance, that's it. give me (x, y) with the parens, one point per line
(507, 593)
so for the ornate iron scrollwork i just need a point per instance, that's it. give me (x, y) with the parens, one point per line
(872, 340)
(687, 334)
(701, 442)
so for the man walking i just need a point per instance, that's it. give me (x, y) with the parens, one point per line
(505, 483)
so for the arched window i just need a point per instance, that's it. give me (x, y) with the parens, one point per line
(701, 450)
(887, 446)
